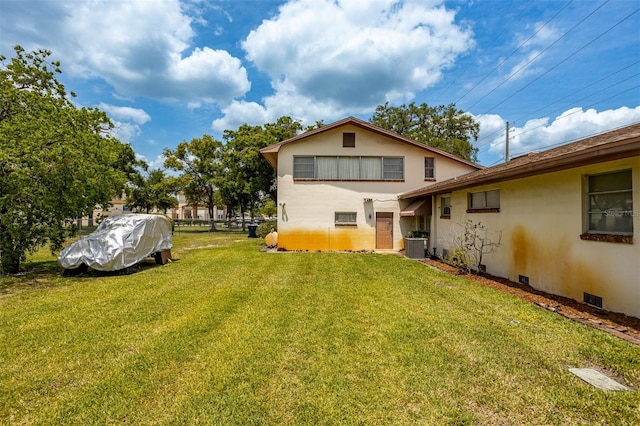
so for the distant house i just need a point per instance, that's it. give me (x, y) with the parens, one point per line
(183, 211)
(338, 186)
(567, 217)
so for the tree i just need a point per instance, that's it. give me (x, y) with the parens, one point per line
(268, 207)
(57, 162)
(442, 127)
(152, 191)
(247, 176)
(200, 162)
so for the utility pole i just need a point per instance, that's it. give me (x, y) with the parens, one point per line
(506, 155)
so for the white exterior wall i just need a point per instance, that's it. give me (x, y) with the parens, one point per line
(541, 219)
(307, 219)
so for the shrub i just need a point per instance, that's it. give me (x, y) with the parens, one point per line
(265, 227)
(471, 241)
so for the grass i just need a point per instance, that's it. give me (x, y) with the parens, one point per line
(227, 334)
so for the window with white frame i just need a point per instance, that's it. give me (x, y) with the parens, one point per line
(610, 203)
(429, 168)
(484, 200)
(348, 168)
(345, 218)
(445, 206)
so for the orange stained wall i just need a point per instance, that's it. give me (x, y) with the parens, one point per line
(327, 239)
(541, 220)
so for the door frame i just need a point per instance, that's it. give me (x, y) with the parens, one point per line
(380, 217)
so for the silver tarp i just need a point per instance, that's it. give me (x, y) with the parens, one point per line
(119, 242)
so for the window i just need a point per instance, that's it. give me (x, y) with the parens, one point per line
(348, 168)
(392, 168)
(429, 168)
(370, 168)
(345, 218)
(348, 140)
(610, 203)
(304, 167)
(445, 207)
(327, 168)
(485, 200)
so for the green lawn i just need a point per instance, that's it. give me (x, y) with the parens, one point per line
(228, 334)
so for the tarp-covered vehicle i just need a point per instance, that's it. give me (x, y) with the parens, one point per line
(118, 243)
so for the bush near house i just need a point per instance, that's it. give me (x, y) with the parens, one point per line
(265, 227)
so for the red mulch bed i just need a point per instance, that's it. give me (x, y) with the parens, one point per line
(620, 325)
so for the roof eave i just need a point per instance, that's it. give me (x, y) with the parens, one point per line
(597, 154)
(275, 148)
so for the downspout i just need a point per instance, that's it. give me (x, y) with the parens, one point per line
(433, 232)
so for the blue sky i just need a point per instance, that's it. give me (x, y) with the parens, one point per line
(168, 71)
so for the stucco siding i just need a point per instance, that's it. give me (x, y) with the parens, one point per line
(541, 219)
(306, 211)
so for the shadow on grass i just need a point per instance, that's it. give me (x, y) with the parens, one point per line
(37, 275)
(34, 275)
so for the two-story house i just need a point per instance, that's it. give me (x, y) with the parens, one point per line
(338, 186)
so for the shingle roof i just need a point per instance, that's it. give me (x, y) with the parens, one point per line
(620, 143)
(271, 152)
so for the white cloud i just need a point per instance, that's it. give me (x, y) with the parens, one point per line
(156, 163)
(136, 115)
(124, 132)
(536, 34)
(353, 55)
(141, 48)
(525, 67)
(239, 113)
(543, 133)
(297, 106)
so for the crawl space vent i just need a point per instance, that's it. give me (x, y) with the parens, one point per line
(593, 300)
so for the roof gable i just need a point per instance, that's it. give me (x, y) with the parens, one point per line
(612, 145)
(271, 152)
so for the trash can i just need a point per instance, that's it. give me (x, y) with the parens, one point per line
(416, 248)
(252, 231)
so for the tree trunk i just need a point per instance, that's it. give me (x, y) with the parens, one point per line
(242, 217)
(10, 255)
(212, 218)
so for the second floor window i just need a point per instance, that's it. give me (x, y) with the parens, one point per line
(348, 168)
(429, 168)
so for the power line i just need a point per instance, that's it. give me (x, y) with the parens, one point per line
(514, 52)
(540, 54)
(546, 147)
(584, 88)
(564, 60)
(489, 137)
(496, 38)
(575, 112)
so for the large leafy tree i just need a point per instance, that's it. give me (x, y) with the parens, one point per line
(443, 127)
(248, 177)
(200, 164)
(57, 161)
(152, 191)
